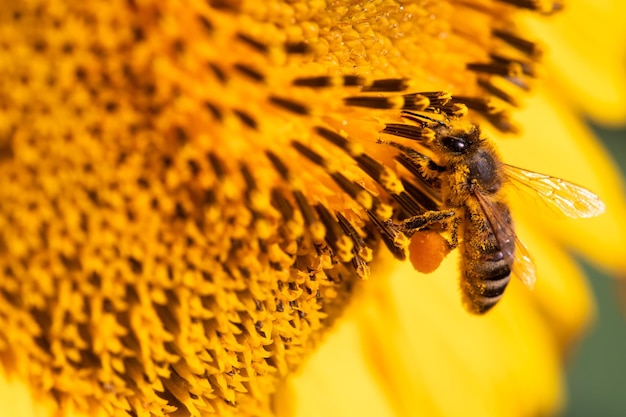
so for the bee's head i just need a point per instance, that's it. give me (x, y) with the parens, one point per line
(456, 142)
(472, 155)
(446, 144)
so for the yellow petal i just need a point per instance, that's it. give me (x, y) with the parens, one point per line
(560, 282)
(586, 56)
(336, 381)
(17, 400)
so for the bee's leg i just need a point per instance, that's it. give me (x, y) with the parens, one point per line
(429, 172)
(415, 223)
(420, 165)
(454, 231)
(449, 217)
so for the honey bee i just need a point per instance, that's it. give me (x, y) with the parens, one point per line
(466, 171)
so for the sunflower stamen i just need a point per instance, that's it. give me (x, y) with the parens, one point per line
(359, 194)
(392, 236)
(528, 68)
(256, 45)
(214, 110)
(541, 6)
(218, 166)
(408, 159)
(353, 189)
(368, 85)
(480, 104)
(341, 244)
(281, 203)
(502, 121)
(437, 98)
(330, 81)
(292, 228)
(279, 166)
(452, 110)
(426, 198)
(362, 253)
(297, 48)
(249, 72)
(403, 130)
(413, 101)
(290, 105)
(529, 48)
(387, 85)
(426, 195)
(226, 5)
(440, 102)
(315, 227)
(218, 72)
(326, 228)
(258, 202)
(206, 23)
(246, 118)
(381, 174)
(505, 69)
(311, 155)
(407, 203)
(495, 91)
(385, 177)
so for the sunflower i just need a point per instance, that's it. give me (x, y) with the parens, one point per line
(197, 214)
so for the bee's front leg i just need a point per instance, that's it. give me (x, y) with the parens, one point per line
(424, 168)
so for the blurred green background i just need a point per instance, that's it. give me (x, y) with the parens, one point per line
(597, 372)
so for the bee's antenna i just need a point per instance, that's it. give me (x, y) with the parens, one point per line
(396, 145)
(406, 150)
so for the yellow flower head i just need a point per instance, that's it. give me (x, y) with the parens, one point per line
(192, 193)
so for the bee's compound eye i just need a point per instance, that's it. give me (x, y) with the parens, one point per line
(455, 144)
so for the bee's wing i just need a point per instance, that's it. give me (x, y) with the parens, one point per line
(515, 252)
(571, 199)
(523, 265)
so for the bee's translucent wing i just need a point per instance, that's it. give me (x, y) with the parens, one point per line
(523, 264)
(514, 251)
(571, 199)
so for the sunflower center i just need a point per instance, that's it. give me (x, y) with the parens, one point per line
(191, 191)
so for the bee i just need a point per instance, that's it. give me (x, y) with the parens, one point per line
(465, 171)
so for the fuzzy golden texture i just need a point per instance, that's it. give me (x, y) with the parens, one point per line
(147, 261)
(133, 277)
